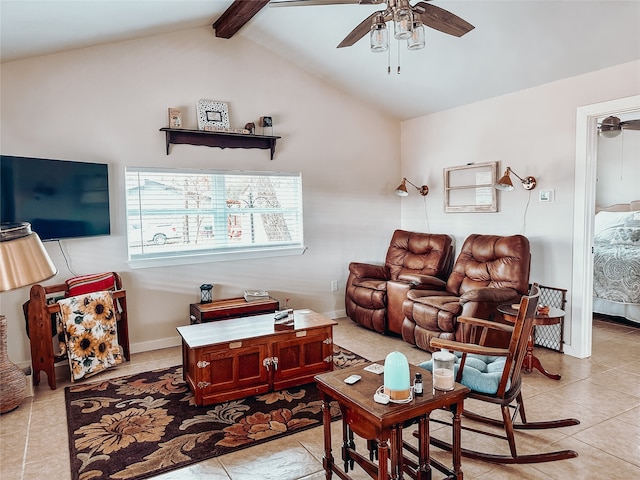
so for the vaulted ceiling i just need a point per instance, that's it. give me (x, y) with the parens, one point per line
(514, 45)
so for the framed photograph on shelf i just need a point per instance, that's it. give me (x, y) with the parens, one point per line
(212, 114)
(175, 118)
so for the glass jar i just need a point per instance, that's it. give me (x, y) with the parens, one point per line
(443, 373)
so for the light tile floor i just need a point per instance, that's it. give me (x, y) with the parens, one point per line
(602, 391)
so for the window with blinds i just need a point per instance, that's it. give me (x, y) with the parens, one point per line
(179, 214)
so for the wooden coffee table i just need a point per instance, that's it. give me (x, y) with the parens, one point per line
(381, 425)
(231, 359)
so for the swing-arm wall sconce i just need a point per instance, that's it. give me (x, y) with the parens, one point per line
(505, 184)
(402, 189)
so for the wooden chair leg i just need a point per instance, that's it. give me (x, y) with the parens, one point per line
(508, 428)
(520, 406)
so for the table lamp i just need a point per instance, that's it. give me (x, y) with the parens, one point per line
(396, 377)
(23, 261)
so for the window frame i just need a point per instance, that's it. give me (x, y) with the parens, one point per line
(291, 214)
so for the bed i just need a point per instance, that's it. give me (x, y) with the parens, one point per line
(616, 264)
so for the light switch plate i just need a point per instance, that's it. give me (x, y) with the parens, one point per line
(546, 196)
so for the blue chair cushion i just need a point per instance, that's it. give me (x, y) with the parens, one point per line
(481, 373)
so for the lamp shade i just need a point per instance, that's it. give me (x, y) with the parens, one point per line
(505, 183)
(401, 190)
(402, 22)
(416, 40)
(396, 377)
(23, 259)
(379, 35)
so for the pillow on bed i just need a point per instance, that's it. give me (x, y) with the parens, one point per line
(626, 236)
(606, 220)
(633, 221)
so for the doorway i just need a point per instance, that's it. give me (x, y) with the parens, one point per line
(578, 342)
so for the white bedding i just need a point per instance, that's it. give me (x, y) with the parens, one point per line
(616, 267)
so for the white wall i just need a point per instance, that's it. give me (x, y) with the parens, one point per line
(618, 168)
(532, 131)
(106, 104)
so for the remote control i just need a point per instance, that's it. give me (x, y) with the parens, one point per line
(281, 315)
(350, 380)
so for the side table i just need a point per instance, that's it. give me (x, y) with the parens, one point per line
(554, 317)
(381, 425)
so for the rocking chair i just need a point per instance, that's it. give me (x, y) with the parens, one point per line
(494, 375)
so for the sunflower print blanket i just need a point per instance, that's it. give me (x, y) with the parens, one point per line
(88, 325)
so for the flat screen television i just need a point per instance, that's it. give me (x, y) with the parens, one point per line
(59, 198)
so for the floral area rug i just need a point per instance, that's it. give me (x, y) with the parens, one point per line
(139, 426)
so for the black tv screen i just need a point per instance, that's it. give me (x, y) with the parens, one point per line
(59, 198)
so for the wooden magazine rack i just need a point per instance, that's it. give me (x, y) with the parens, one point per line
(39, 319)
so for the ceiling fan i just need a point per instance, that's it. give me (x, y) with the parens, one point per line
(612, 126)
(241, 11)
(422, 12)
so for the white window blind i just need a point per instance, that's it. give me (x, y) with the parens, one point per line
(177, 214)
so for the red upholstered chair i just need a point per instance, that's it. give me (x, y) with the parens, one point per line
(489, 271)
(375, 293)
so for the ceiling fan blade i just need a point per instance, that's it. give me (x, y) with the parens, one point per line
(440, 19)
(631, 124)
(360, 31)
(301, 3)
(236, 16)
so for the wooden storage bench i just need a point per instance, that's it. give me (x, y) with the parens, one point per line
(235, 358)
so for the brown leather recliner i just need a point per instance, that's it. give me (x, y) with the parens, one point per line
(375, 293)
(490, 270)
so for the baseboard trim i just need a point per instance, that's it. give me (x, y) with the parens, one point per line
(159, 344)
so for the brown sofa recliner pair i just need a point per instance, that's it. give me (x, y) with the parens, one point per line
(489, 271)
(375, 293)
(402, 297)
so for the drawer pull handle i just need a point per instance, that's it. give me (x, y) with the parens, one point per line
(235, 344)
(203, 364)
(270, 361)
(328, 341)
(301, 333)
(203, 384)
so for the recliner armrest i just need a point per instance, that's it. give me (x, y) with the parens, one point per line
(366, 270)
(489, 294)
(423, 281)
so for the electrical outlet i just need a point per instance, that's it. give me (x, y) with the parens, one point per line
(334, 285)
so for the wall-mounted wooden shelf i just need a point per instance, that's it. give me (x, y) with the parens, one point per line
(219, 139)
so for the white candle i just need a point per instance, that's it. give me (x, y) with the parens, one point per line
(443, 379)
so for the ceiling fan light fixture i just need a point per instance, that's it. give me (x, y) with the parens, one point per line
(402, 23)
(416, 40)
(379, 35)
(610, 127)
(609, 133)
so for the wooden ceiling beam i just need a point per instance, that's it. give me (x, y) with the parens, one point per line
(236, 16)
